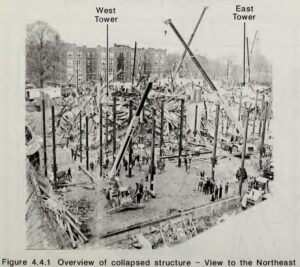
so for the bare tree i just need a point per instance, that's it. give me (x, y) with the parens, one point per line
(42, 53)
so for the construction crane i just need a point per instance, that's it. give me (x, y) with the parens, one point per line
(129, 133)
(121, 196)
(230, 114)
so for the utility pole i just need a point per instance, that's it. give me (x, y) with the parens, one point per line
(262, 142)
(214, 156)
(180, 132)
(87, 141)
(196, 118)
(80, 136)
(44, 136)
(189, 42)
(100, 141)
(152, 152)
(161, 126)
(130, 142)
(261, 114)
(114, 126)
(255, 113)
(134, 61)
(244, 58)
(107, 82)
(243, 173)
(54, 147)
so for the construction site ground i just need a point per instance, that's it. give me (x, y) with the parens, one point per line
(176, 190)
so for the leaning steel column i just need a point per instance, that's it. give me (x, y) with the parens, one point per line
(214, 155)
(152, 152)
(87, 141)
(180, 132)
(44, 137)
(54, 147)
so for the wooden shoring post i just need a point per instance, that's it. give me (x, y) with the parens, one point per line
(87, 141)
(214, 155)
(100, 141)
(152, 152)
(54, 147)
(44, 136)
(180, 132)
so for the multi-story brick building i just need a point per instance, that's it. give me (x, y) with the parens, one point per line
(91, 63)
(74, 60)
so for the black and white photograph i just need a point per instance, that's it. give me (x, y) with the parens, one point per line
(147, 138)
(149, 133)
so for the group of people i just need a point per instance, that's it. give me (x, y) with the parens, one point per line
(210, 187)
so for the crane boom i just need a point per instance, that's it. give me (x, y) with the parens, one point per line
(189, 42)
(206, 77)
(129, 133)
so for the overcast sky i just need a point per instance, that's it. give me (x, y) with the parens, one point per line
(218, 36)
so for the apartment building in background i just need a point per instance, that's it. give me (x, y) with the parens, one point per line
(91, 63)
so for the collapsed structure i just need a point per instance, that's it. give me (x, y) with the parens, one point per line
(150, 123)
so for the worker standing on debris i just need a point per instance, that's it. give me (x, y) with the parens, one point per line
(186, 164)
(125, 163)
(220, 190)
(216, 192)
(72, 153)
(69, 174)
(226, 188)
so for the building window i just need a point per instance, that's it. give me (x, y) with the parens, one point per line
(79, 54)
(70, 54)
